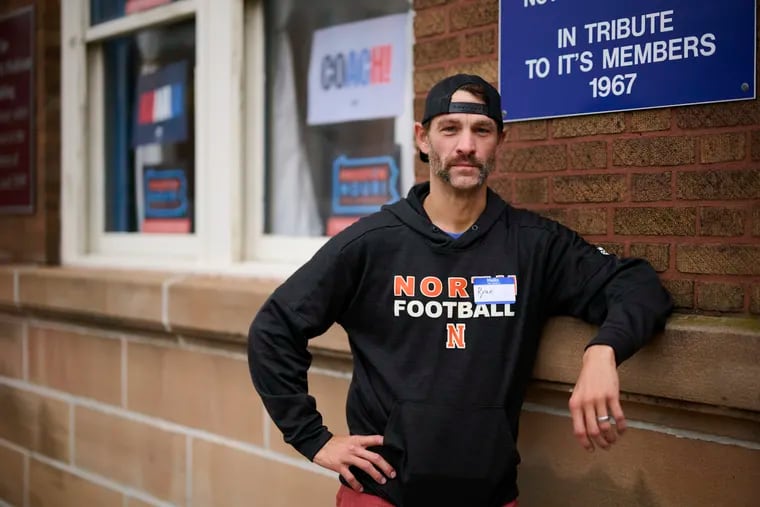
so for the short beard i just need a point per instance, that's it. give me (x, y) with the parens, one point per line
(444, 172)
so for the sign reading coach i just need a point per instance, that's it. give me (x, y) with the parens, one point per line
(357, 71)
(565, 57)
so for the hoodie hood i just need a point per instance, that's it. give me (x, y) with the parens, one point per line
(411, 212)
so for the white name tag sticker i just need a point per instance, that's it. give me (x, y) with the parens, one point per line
(500, 290)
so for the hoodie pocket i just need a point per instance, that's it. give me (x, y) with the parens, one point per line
(449, 455)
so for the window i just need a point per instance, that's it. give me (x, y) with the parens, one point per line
(338, 120)
(148, 126)
(229, 133)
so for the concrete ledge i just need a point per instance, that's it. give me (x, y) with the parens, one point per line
(128, 295)
(713, 360)
(216, 305)
(699, 359)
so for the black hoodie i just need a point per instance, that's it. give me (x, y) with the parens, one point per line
(441, 377)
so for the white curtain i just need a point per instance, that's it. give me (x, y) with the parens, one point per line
(293, 205)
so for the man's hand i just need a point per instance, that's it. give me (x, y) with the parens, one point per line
(597, 395)
(340, 452)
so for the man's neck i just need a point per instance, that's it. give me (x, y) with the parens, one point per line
(451, 210)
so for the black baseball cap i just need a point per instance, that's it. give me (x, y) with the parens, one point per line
(438, 101)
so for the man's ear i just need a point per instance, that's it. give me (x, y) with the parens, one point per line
(421, 137)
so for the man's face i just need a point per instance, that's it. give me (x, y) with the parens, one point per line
(462, 146)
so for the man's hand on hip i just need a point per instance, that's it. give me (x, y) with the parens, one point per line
(340, 452)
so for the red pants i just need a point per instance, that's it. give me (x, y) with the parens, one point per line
(347, 497)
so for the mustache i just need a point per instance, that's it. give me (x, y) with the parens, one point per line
(466, 160)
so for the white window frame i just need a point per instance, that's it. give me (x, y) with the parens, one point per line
(218, 127)
(229, 146)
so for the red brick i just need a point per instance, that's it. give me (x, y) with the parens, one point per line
(655, 221)
(719, 259)
(682, 292)
(480, 43)
(653, 151)
(650, 120)
(424, 80)
(583, 221)
(721, 222)
(648, 187)
(592, 188)
(754, 299)
(727, 147)
(479, 13)
(502, 186)
(527, 130)
(430, 22)
(423, 4)
(531, 190)
(724, 114)
(719, 185)
(720, 297)
(755, 144)
(588, 125)
(590, 155)
(658, 255)
(419, 110)
(436, 51)
(487, 69)
(534, 159)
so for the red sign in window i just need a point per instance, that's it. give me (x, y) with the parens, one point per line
(16, 112)
(142, 5)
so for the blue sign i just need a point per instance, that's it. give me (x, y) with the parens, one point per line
(362, 185)
(166, 193)
(570, 57)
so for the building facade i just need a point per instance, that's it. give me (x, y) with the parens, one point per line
(185, 157)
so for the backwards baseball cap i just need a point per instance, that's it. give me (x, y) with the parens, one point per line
(438, 101)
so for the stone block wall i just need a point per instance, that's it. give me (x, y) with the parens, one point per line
(132, 388)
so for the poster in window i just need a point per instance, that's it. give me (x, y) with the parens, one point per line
(143, 5)
(16, 112)
(166, 205)
(360, 186)
(161, 114)
(358, 71)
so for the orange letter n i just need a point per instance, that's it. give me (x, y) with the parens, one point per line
(403, 285)
(455, 336)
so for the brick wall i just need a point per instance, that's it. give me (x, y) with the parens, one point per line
(36, 237)
(677, 186)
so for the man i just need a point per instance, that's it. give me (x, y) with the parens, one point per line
(443, 296)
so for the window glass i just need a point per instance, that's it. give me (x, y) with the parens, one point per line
(106, 10)
(149, 135)
(332, 148)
